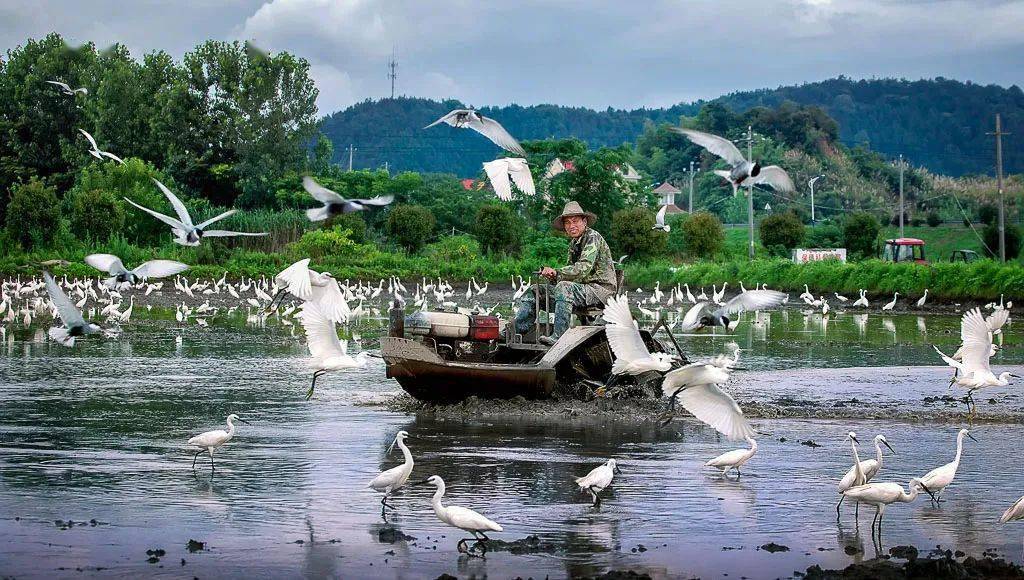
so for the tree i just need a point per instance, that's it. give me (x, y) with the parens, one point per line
(704, 235)
(781, 232)
(632, 233)
(33, 214)
(934, 219)
(676, 244)
(498, 229)
(860, 234)
(94, 214)
(410, 226)
(991, 236)
(988, 214)
(322, 154)
(134, 181)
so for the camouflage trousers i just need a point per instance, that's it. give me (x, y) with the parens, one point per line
(566, 296)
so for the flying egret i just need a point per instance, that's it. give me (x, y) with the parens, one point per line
(211, 440)
(74, 324)
(734, 459)
(883, 494)
(865, 470)
(599, 478)
(973, 370)
(185, 232)
(701, 314)
(95, 149)
(67, 90)
(892, 304)
(631, 354)
(462, 518)
(659, 221)
(112, 265)
(501, 170)
(328, 352)
(742, 169)
(394, 478)
(470, 119)
(334, 204)
(309, 285)
(939, 478)
(695, 387)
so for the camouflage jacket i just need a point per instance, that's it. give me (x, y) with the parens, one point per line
(590, 262)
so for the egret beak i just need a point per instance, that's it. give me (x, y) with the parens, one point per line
(617, 470)
(1014, 376)
(241, 420)
(925, 488)
(392, 447)
(972, 437)
(855, 440)
(886, 443)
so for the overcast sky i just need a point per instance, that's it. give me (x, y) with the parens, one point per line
(573, 52)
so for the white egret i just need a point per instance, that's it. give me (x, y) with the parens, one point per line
(501, 170)
(67, 90)
(1014, 512)
(334, 204)
(599, 478)
(470, 119)
(328, 352)
(309, 285)
(939, 478)
(973, 370)
(392, 479)
(863, 300)
(112, 265)
(864, 471)
(892, 304)
(211, 440)
(858, 478)
(74, 324)
(701, 314)
(631, 354)
(460, 517)
(733, 459)
(883, 494)
(742, 169)
(695, 386)
(95, 149)
(841, 298)
(922, 299)
(659, 221)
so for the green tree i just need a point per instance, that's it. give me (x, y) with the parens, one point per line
(991, 236)
(704, 235)
(860, 234)
(134, 181)
(94, 214)
(498, 229)
(676, 244)
(33, 214)
(322, 154)
(632, 233)
(410, 226)
(781, 232)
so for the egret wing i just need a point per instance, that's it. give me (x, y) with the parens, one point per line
(112, 156)
(332, 302)
(1014, 512)
(660, 218)
(720, 146)
(227, 234)
(997, 319)
(691, 320)
(754, 300)
(496, 133)
(977, 341)
(61, 85)
(321, 335)
(159, 269)
(230, 212)
(622, 332)
(69, 315)
(166, 219)
(296, 279)
(89, 137)
(379, 201)
(776, 177)
(716, 408)
(449, 118)
(108, 263)
(179, 208)
(468, 519)
(497, 173)
(319, 192)
(521, 176)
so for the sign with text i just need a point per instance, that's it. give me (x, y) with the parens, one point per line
(801, 256)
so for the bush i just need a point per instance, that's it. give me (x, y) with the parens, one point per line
(676, 244)
(410, 226)
(916, 221)
(94, 214)
(782, 230)
(704, 235)
(328, 243)
(353, 222)
(860, 235)
(33, 214)
(991, 236)
(134, 180)
(934, 219)
(499, 229)
(988, 214)
(633, 234)
(454, 250)
(824, 236)
(546, 249)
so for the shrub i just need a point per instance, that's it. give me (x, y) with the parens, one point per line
(676, 243)
(454, 249)
(330, 242)
(410, 226)
(782, 230)
(824, 236)
(499, 229)
(991, 236)
(988, 214)
(704, 235)
(633, 234)
(916, 221)
(934, 219)
(547, 249)
(33, 214)
(95, 214)
(134, 180)
(353, 222)
(860, 234)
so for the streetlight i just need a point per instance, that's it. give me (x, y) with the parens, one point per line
(811, 183)
(692, 173)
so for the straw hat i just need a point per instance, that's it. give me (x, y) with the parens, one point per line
(572, 208)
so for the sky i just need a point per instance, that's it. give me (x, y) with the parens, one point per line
(597, 54)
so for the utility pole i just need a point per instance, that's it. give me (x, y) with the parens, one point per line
(690, 206)
(999, 186)
(901, 195)
(392, 72)
(811, 183)
(750, 192)
(351, 149)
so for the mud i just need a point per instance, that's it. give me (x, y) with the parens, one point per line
(936, 567)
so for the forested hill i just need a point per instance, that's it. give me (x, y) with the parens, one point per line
(940, 123)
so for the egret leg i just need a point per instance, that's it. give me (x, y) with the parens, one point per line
(841, 498)
(211, 460)
(738, 474)
(195, 458)
(316, 375)
(856, 511)
(482, 542)
(670, 414)
(597, 500)
(383, 504)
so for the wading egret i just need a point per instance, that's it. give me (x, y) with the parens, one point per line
(892, 304)
(865, 470)
(883, 494)
(211, 440)
(863, 300)
(599, 478)
(858, 477)
(701, 314)
(939, 478)
(922, 299)
(695, 386)
(394, 478)
(733, 459)
(460, 517)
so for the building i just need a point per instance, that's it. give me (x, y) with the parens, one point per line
(666, 193)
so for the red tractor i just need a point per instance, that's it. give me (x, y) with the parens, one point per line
(904, 250)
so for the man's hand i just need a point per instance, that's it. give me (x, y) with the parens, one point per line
(549, 273)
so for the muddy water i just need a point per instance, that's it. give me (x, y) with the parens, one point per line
(97, 434)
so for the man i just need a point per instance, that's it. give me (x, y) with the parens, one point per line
(587, 280)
